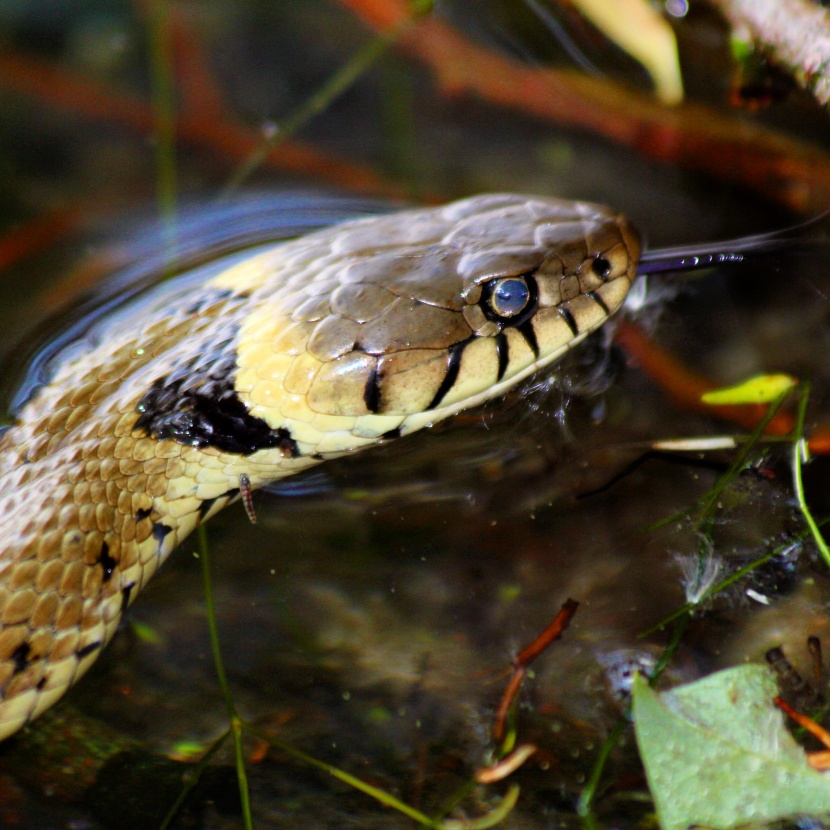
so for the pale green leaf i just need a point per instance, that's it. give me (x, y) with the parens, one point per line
(717, 753)
(636, 27)
(758, 389)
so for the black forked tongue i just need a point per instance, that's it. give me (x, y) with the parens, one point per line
(694, 257)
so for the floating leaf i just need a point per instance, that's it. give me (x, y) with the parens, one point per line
(187, 751)
(717, 753)
(637, 28)
(146, 633)
(760, 389)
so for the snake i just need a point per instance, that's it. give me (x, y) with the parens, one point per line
(305, 350)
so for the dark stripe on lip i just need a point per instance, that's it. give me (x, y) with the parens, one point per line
(371, 392)
(565, 314)
(529, 333)
(503, 352)
(599, 301)
(453, 365)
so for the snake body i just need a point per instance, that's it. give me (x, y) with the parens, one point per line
(304, 351)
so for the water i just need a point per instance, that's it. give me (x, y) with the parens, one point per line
(367, 616)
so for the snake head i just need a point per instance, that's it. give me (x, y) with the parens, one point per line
(382, 325)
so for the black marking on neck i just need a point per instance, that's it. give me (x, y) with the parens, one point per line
(503, 353)
(206, 422)
(143, 513)
(107, 562)
(565, 314)
(599, 301)
(529, 333)
(88, 649)
(20, 658)
(453, 365)
(371, 391)
(160, 530)
(197, 404)
(41, 684)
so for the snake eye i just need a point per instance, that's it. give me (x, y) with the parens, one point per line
(508, 296)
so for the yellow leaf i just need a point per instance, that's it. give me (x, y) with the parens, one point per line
(760, 389)
(637, 28)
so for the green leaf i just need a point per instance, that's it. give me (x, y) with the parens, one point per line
(717, 753)
(759, 389)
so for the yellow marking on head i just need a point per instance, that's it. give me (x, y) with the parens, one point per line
(292, 406)
(266, 396)
(301, 374)
(410, 379)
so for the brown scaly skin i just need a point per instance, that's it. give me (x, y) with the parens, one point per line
(309, 350)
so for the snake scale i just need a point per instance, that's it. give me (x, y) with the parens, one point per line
(307, 350)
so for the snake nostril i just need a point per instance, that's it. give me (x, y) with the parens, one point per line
(601, 266)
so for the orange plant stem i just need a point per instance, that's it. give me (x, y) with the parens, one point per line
(685, 387)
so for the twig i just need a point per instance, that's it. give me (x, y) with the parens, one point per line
(817, 760)
(507, 766)
(527, 655)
